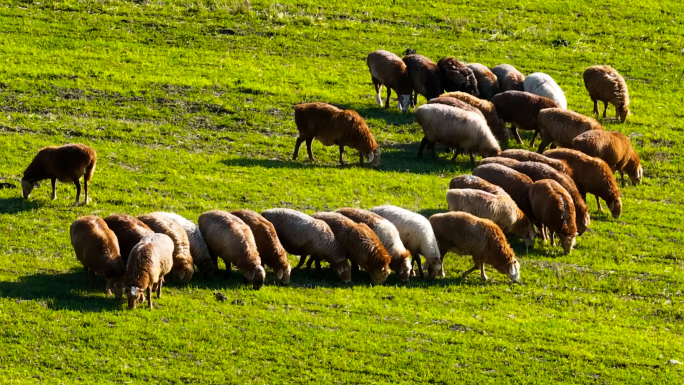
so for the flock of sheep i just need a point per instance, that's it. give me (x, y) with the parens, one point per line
(511, 191)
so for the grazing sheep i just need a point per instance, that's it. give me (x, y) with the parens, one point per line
(487, 108)
(606, 84)
(513, 182)
(465, 234)
(182, 260)
(151, 259)
(389, 236)
(455, 128)
(271, 252)
(97, 249)
(554, 208)
(416, 235)
(453, 102)
(67, 163)
(530, 156)
(456, 76)
(477, 183)
(362, 246)
(487, 82)
(560, 127)
(538, 171)
(333, 126)
(510, 79)
(615, 149)
(303, 235)
(425, 77)
(500, 209)
(508, 162)
(128, 230)
(593, 176)
(521, 109)
(542, 84)
(388, 69)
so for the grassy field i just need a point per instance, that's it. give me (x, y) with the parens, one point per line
(189, 106)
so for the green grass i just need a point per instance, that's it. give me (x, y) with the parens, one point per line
(189, 106)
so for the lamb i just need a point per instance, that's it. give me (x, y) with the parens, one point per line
(542, 84)
(487, 82)
(487, 108)
(229, 238)
(560, 127)
(538, 171)
(151, 259)
(271, 252)
(128, 230)
(303, 235)
(554, 208)
(388, 69)
(514, 183)
(508, 162)
(389, 236)
(510, 79)
(615, 149)
(453, 102)
(593, 176)
(500, 209)
(455, 128)
(605, 84)
(97, 249)
(417, 236)
(530, 156)
(362, 246)
(522, 110)
(480, 238)
(333, 126)
(456, 76)
(67, 163)
(182, 260)
(425, 77)
(474, 182)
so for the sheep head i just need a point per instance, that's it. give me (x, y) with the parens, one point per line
(638, 176)
(27, 186)
(256, 277)
(514, 271)
(403, 103)
(374, 157)
(114, 286)
(622, 113)
(378, 277)
(134, 295)
(434, 268)
(343, 270)
(615, 208)
(567, 241)
(185, 274)
(404, 270)
(284, 275)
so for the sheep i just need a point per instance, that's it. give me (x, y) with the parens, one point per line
(555, 209)
(305, 236)
(542, 84)
(333, 126)
(530, 156)
(487, 82)
(500, 209)
(456, 76)
(537, 171)
(455, 128)
(453, 102)
(97, 249)
(198, 248)
(271, 252)
(465, 234)
(128, 230)
(605, 84)
(387, 68)
(151, 259)
(416, 235)
(474, 182)
(560, 127)
(508, 162)
(593, 176)
(182, 260)
(389, 236)
(362, 246)
(510, 79)
(513, 182)
(615, 149)
(67, 163)
(488, 109)
(425, 77)
(521, 109)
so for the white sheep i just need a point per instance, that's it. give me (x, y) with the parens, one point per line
(542, 84)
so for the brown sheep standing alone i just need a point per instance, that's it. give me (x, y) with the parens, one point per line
(554, 208)
(456, 76)
(388, 69)
(129, 231)
(605, 84)
(333, 126)
(560, 127)
(521, 109)
(510, 79)
(615, 149)
(487, 82)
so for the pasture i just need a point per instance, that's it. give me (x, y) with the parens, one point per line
(189, 107)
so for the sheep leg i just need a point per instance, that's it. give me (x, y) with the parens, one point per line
(360, 158)
(378, 91)
(78, 190)
(341, 152)
(465, 273)
(482, 271)
(605, 108)
(308, 148)
(149, 297)
(54, 188)
(415, 259)
(159, 286)
(414, 99)
(472, 159)
(534, 137)
(598, 203)
(542, 146)
(85, 187)
(596, 110)
(622, 179)
(423, 143)
(227, 274)
(389, 92)
(302, 259)
(311, 261)
(553, 239)
(432, 149)
(319, 269)
(300, 140)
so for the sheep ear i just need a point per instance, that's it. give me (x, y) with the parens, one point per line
(36, 184)
(371, 156)
(181, 274)
(280, 274)
(340, 269)
(250, 274)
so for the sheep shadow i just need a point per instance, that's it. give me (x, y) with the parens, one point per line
(16, 205)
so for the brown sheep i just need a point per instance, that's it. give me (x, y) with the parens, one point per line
(129, 231)
(560, 127)
(333, 126)
(480, 238)
(510, 79)
(67, 163)
(514, 183)
(271, 252)
(362, 246)
(388, 69)
(606, 85)
(453, 102)
(151, 259)
(474, 182)
(538, 171)
(456, 76)
(554, 208)
(508, 162)
(615, 149)
(97, 249)
(488, 109)
(593, 176)
(530, 156)
(425, 77)
(487, 82)
(521, 109)
(182, 259)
